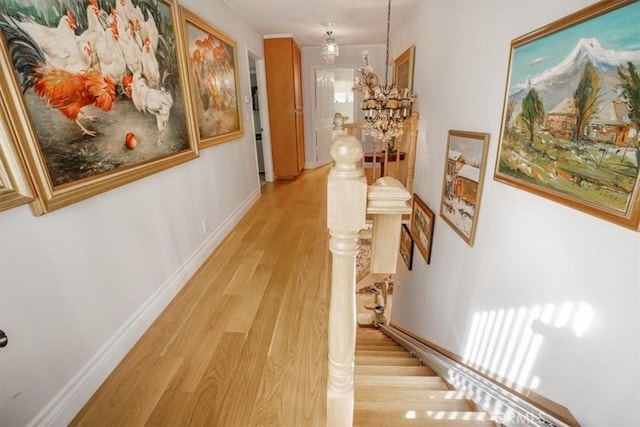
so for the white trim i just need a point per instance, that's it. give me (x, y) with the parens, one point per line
(278, 36)
(261, 80)
(73, 396)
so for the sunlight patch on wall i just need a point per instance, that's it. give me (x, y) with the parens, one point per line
(506, 342)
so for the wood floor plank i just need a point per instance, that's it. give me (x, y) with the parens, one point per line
(197, 358)
(135, 398)
(247, 261)
(205, 406)
(206, 354)
(309, 388)
(252, 359)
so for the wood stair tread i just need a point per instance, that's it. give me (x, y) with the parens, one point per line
(391, 388)
(372, 336)
(442, 398)
(382, 347)
(433, 382)
(384, 353)
(386, 360)
(410, 416)
(392, 370)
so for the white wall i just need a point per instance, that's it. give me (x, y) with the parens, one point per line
(529, 252)
(78, 286)
(350, 57)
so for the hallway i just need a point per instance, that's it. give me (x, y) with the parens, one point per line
(245, 341)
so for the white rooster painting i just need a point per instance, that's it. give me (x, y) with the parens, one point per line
(212, 62)
(100, 81)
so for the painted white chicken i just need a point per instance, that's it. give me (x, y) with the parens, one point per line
(153, 101)
(149, 30)
(110, 57)
(59, 43)
(94, 34)
(126, 10)
(130, 50)
(150, 64)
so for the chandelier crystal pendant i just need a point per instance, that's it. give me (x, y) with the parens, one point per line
(385, 108)
(330, 49)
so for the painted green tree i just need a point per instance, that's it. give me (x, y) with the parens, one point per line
(508, 118)
(533, 112)
(586, 98)
(630, 86)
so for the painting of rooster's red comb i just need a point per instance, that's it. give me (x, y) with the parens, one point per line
(86, 74)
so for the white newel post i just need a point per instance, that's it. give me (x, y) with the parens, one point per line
(346, 215)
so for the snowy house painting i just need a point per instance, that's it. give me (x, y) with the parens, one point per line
(462, 183)
(465, 184)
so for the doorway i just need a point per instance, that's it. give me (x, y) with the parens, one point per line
(333, 94)
(260, 118)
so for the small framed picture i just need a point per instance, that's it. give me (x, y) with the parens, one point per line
(422, 227)
(403, 70)
(464, 167)
(406, 246)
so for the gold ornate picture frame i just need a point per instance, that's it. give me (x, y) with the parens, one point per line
(406, 246)
(422, 219)
(571, 115)
(15, 187)
(403, 70)
(83, 128)
(464, 170)
(213, 71)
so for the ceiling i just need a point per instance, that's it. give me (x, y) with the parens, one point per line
(357, 22)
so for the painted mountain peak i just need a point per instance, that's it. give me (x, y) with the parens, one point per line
(557, 82)
(587, 50)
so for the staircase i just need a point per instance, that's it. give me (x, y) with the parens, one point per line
(391, 388)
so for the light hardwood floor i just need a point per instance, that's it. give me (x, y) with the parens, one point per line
(245, 341)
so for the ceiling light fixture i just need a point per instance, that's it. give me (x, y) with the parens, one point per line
(330, 48)
(385, 108)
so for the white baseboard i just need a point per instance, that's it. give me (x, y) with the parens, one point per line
(74, 395)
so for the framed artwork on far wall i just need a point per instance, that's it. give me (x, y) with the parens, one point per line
(464, 167)
(406, 246)
(403, 70)
(15, 187)
(571, 115)
(213, 70)
(85, 129)
(422, 227)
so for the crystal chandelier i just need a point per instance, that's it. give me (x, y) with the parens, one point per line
(330, 49)
(385, 108)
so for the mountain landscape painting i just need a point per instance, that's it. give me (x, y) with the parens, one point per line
(571, 121)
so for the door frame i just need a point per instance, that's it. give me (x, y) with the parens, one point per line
(261, 82)
(314, 100)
